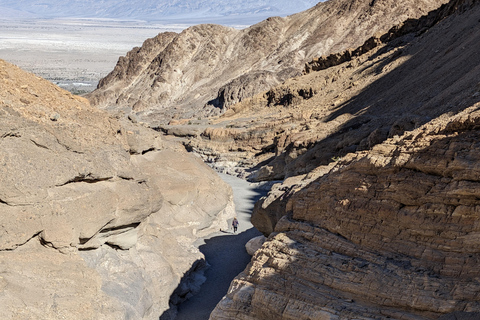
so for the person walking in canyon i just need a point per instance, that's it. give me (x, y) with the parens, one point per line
(235, 225)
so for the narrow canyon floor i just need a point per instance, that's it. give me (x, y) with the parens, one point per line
(225, 252)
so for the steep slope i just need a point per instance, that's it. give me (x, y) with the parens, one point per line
(207, 68)
(387, 234)
(446, 84)
(391, 232)
(97, 215)
(314, 119)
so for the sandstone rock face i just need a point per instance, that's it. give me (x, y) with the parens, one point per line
(270, 209)
(214, 67)
(354, 104)
(97, 215)
(390, 233)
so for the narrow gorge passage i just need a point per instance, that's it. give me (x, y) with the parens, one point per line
(225, 253)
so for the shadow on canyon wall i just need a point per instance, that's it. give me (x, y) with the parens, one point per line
(416, 85)
(225, 256)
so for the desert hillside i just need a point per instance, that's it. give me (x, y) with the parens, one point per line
(347, 101)
(207, 68)
(98, 216)
(389, 231)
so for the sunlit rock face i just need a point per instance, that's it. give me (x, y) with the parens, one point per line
(347, 101)
(205, 69)
(386, 233)
(97, 215)
(391, 233)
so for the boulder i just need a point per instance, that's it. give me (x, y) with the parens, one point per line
(254, 244)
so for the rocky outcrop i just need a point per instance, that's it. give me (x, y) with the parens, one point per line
(270, 209)
(389, 233)
(410, 26)
(130, 67)
(98, 214)
(254, 244)
(315, 119)
(215, 67)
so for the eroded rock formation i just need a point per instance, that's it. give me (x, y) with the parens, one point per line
(97, 215)
(215, 67)
(317, 118)
(372, 222)
(390, 233)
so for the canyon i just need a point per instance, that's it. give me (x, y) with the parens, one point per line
(363, 117)
(98, 215)
(386, 229)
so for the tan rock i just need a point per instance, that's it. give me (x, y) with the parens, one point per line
(98, 213)
(171, 75)
(254, 244)
(317, 118)
(41, 283)
(386, 233)
(376, 237)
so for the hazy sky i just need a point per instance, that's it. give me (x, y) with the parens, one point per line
(149, 9)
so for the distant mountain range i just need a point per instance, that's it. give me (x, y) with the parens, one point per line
(149, 10)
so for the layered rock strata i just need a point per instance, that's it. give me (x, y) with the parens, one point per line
(210, 66)
(352, 105)
(390, 233)
(97, 215)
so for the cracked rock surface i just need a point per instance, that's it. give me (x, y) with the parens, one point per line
(388, 233)
(98, 215)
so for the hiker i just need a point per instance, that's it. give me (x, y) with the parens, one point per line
(235, 224)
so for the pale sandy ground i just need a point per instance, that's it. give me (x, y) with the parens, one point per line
(76, 54)
(73, 52)
(225, 252)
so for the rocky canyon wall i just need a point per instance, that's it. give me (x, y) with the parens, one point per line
(377, 217)
(356, 99)
(390, 232)
(97, 215)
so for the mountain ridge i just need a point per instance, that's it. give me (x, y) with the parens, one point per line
(205, 69)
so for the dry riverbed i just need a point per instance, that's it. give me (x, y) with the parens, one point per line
(225, 252)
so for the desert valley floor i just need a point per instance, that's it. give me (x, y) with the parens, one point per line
(74, 54)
